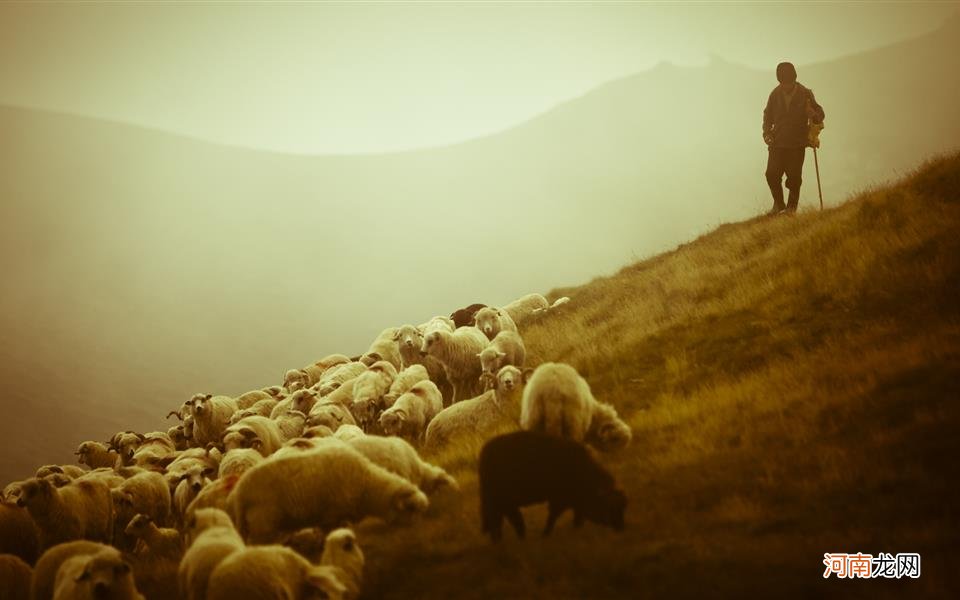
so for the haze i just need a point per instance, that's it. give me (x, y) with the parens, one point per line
(155, 243)
(346, 78)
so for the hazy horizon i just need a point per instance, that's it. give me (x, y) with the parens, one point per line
(321, 79)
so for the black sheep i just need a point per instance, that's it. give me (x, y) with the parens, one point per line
(464, 316)
(525, 467)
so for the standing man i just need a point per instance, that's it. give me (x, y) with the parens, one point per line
(785, 119)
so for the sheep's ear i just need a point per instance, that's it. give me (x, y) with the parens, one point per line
(85, 575)
(207, 396)
(207, 471)
(396, 336)
(256, 444)
(527, 373)
(502, 354)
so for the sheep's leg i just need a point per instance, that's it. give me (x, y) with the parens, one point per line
(516, 519)
(555, 511)
(577, 518)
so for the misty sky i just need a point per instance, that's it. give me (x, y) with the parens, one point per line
(347, 78)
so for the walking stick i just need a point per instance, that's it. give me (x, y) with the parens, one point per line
(816, 164)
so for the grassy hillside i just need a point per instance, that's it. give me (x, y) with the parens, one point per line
(792, 384)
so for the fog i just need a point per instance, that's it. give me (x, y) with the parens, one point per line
(142, 266)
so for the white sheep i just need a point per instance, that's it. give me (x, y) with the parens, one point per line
(477, 416)
(558, 401)
(263, 572)
(160, 542)
(368, 391)
(337, 376)
(45, 571)
(213, 495)
(492, 320)
(341, 551)
(81, 509)
(260, 433)
(95, 455)
(125, 443)
(384, 347)
(102, 575)
(211, 416)
(302, 400)
(526, 306)
(239, 460)
(213, 538)
(155, 448)
(457, 352)
(298, 379)
(405, 380)
(147, 493)
(322, 487)
(291, 424)
(411, 413)
(505, 349)
(189, 485)
(331, 413)
(399, 457)
(187, 461)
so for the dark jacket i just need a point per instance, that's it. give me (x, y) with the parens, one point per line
(788, 124)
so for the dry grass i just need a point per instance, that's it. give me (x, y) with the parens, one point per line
(792, 384)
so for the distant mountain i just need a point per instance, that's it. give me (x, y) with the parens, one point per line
(140, 267)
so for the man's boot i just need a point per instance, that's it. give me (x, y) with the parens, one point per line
(793, 200)
(778, 206)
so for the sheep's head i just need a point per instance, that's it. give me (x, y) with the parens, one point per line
(613, 435)
(196, 477)
(392, 421)
(408, 336)
(341, 549)
(510, 378)
(370, 357)
(327, 387)
(241, 437)
(58, 479)
(201, 403)
(106, 575)
(12, 492)
(34, 492)
(303, 400)
(122, 500)
(274, 390)
(125, 443)
(409, 500)
(439, 480)
(606, 507)
(431, 341)
(295, 379)
(48, 470)
(138, 525)
(488, 321)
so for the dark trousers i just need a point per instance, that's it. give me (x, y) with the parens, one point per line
(789, 161)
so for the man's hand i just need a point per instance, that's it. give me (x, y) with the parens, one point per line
(768, 137)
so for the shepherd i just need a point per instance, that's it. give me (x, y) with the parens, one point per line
(791, 111)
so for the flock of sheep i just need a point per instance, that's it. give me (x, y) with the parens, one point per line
(251, 497)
